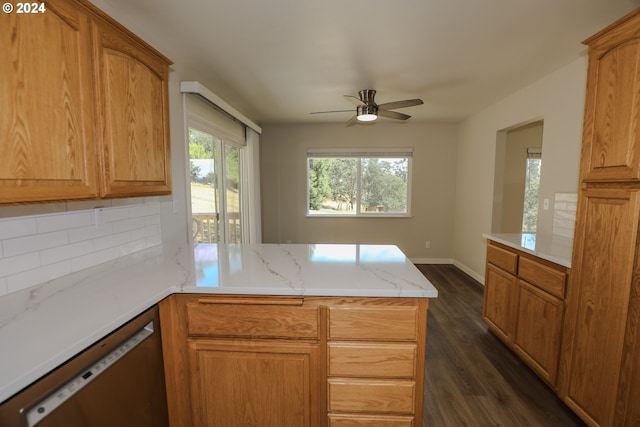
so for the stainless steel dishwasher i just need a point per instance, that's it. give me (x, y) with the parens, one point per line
(118, 381)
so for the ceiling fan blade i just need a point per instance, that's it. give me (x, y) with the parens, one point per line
(400, 104)
(393, 115)
(355, 100)
(352, 121)
(332, 111)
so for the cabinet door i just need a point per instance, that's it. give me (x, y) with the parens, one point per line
(134, 122)
(46, 125)
(611, 144)
(538, 331)
(602, 270)
(499, 296)
(246, 383)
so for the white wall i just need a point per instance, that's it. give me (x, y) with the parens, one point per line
(284, 186)
(558, 99)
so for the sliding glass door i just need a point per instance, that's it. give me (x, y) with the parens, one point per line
(215, 187)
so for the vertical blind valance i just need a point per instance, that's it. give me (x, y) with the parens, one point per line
(202, 112)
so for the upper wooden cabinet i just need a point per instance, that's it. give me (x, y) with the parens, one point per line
(86, 108)
(47, 102)
(611, 138)
(133, 116)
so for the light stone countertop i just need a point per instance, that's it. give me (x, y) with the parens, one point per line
(553, 248)
(44, 326)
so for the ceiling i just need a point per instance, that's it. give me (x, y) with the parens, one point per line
(279, 60)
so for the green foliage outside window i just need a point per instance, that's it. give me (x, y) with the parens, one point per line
(352, 185)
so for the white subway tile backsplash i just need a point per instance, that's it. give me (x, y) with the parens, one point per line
(152, 220)
(3, 286)
(144, 210)
(128, 224)
(65, 252)
(152, 241)
(564, 214)
(131, 247)
(94, 258)
(112, 240)
(18, 264)
(115, 214)
(34, 243)
(38, 248)
(90, 232)
(64, 221)
(10, 228)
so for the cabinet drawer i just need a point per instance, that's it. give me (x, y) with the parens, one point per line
(337, 420)
(508, 261)
(246, 318)
(371, 396)
(542, 276)
(372, 360)
(373, 323)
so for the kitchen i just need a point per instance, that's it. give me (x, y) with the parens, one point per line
(455, 236)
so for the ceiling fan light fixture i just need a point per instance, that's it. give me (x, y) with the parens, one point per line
(367, 113)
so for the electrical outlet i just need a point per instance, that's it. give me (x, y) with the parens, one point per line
(427, 244)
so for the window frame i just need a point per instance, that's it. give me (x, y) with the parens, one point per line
(361, 153)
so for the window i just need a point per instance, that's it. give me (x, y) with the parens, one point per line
(358, 182)
(216, 145)
(531, 187)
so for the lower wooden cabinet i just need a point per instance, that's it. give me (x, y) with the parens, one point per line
(539, 329)
(525, 306)
(251, 383)
(292, 361)
(500, 290)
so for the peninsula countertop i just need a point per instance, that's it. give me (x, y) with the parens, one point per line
(553, 248)
(43, 326)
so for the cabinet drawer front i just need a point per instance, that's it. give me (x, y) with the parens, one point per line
(544, 277)
(337, 420)
(371, 396)
(257, 321)
(373, 323)
(508, 261)
(372, 360)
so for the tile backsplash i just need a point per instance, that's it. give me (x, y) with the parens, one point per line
(38, 248)
(564, 214)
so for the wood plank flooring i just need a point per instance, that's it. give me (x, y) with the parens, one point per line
(472, 378)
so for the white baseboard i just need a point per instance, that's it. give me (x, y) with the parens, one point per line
(470, 272)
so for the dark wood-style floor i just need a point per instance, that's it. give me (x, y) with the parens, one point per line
(472, 378)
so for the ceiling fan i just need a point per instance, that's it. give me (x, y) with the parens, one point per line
(367, 110)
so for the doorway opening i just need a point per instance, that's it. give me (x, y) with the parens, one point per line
(517, 178)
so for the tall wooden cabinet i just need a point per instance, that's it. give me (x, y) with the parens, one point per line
(600, 366)
(85, 108)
